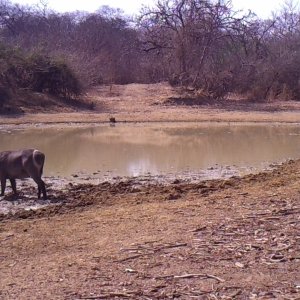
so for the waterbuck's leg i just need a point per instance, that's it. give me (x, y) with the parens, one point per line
(3, 185)
(13, 185)
(41, 187)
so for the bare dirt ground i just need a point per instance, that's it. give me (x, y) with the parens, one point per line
(222, 239)
(158, 103)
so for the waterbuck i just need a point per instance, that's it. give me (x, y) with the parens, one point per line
(22, 164)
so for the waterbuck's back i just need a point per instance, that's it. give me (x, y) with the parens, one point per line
(21, 163)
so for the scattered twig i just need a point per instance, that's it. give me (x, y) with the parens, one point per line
(284, 247)
(107, 296)
(187, 276)
(233, 295)
(199, 229)
(130, 257)
(288, 211)
(199, 275)
(149, 251)
(170, 246)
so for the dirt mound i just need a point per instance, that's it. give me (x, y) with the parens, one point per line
(23, 102)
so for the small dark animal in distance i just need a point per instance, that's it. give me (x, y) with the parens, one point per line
(22, 164)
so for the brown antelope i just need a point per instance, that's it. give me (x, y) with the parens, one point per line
(22, 164)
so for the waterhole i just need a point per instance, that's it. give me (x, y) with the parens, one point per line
(157, 149)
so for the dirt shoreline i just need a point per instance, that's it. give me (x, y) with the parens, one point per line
(236, 238)
(203, 115)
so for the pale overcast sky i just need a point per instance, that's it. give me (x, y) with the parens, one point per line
(262, 8)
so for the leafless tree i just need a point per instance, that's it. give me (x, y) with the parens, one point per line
(197, 39)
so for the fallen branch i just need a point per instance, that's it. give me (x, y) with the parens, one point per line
(169, 246)
(130, 257)
(107, 296)
(152, 250)
(187, 276)
(199, 275)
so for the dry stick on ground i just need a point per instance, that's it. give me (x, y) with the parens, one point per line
(107, 296)
(131, 257)
(169, 246)
(157, 248)
(151, 251)
(187, 276)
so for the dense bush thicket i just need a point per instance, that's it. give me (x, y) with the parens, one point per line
(35, 72)
(43, 74)
(203, 45)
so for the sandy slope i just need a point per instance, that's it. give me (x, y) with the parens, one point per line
(160, 102)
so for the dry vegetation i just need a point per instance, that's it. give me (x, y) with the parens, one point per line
(203, 46)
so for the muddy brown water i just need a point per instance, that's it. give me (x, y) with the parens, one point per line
(140, 149)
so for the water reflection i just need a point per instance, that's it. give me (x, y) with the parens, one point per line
(159, 148)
